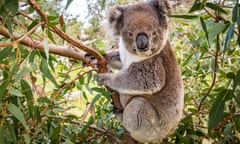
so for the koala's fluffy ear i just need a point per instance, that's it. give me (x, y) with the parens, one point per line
(115, 19)
(163, 6)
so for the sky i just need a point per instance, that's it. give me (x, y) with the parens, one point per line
(77, 8)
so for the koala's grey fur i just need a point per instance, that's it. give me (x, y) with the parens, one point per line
(149, 82)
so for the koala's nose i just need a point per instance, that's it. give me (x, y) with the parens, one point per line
(142, 41)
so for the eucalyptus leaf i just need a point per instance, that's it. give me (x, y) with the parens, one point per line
(46, 47)
(68, 3)
(16, 112)
(27, 91)
(12, 133)
(216, 8)
(45, 70)
(228, 37)
(15, 92)
(185, 16)
(5, 52)
(204, 28)
(235, 13)
(216, 29)
(197, 5)
(3, 87)
(216, 112)
(27, 138)
(2, 134)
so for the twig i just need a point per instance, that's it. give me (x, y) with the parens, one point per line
(224, 122)
(22, 37)
(62, 88)
(55, 49)
(37, 7)
(25, 15)
(214, 74)
(101, 60)
(103, 131)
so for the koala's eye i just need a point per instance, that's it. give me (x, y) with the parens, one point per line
(130, 34)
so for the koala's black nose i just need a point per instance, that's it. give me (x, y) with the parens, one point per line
(142, 41)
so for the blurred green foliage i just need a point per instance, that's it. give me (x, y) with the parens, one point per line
(45, 98)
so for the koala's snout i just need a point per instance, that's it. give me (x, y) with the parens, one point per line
(142, 41)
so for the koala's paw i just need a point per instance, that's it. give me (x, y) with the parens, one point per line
(102, 79)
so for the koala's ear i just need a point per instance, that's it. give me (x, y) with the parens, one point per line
(163, 6)
(115, 19)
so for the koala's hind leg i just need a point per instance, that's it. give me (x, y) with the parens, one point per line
(140, 118)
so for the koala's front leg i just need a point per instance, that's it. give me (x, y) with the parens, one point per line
(134, 82)
(104, 78)
(113, 59)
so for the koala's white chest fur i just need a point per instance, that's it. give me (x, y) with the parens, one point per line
(126, 57)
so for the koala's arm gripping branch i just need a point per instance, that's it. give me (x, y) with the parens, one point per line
(78, 44)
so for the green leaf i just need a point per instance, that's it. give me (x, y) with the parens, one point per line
(53, 23)
(9, 25)
(103, 91)
(197, 6)
(43, 100)
(34, 23)
(68, 3)
(32, 55)
(2, 134)
(85, 96)
(228, 130)
(37, 114)
(3, 88)
(216, 8)
(187, 60)
(46, 47)
(88, 124)
(236, 80)
(11, 6)
(216, 113)
(185, 16)
(238, 40)
(215, 30)
(95, 99)
(15, 111)
(27, 138)
(228, 37)
(68, 141)
(52, 17)
(15, 92)
(44, 69)
(235, 13)
(50, 36)
(12, 133)
(14, 70)
(5, 52)
(22, 73)
(27, 91)
(204, 28)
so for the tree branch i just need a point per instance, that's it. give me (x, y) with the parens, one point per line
(55, 49)
(21, 37)
(214, 74)
(101, 60)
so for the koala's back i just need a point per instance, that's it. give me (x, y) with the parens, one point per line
(156, 115)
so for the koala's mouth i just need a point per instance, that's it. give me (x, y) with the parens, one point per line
(145, 52)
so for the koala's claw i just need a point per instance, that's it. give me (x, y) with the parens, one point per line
(101, 79)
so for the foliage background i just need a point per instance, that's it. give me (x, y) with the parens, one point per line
(47, 98)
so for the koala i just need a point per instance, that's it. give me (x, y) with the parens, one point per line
(149, 80)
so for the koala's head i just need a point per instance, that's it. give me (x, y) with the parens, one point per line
(143, 27)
